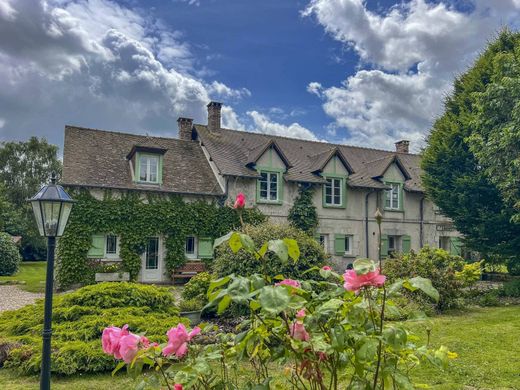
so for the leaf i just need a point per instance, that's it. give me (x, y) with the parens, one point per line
(279, 248)
(235, 242)
(292, 248)
(274, 299)
(394, 288)
(263, 250)
(223, 304)
(247, 242)
(364, 266)
(119, 366)
(218, 283)
(423, 284)
(219, 241)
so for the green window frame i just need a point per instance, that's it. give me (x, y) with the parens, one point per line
(269, 187)
(152, 172)
(393, 198)
(330, 195)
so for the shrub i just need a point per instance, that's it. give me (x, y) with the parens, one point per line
(9, 256)
(488, 298)
(244, 263)
(513, 267)
(197, 287)
(78, 320)
(194, 304)
(510, 289)
(434, 264)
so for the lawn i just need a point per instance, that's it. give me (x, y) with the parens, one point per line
(486, 340)
(31, 274)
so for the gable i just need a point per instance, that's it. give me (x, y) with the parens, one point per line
(335, 167)
(271, 159)
(393, 173)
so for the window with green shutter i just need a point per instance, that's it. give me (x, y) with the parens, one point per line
(205, 248)
(455, 246)
(406, 244)
(97, 248)
(339, 244)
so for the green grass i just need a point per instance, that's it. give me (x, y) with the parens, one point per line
(486, 340)
(31, 274)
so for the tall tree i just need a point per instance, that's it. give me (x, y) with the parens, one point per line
(454, 175)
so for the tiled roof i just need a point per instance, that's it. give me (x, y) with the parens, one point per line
(231, 151)
(97, 158)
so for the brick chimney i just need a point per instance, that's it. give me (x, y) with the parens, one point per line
(402, 146)
(214, 116)
(185, 127)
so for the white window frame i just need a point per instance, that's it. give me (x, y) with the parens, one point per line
(333, 191)
(389, 196)
(349, 238)
(397, 244)
(148, 168)
(111, 255)
(268, 182)
(324, 241)
(195, 248)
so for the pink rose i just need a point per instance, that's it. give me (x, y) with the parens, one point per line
(298, 331)
(326, 268)
(129, 346)
(353, 281)
(178, 340)
(288, 282)
(111, 338)
(300, 313)
(240, 201)
(177, 386)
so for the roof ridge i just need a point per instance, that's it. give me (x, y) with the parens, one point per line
(312, 141)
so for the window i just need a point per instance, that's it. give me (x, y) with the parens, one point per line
(269, 184)
(334, 192)
(348, 245)
(149, 169)
(393, 196)
(394, 243)
(444, 243)
(111, 249)
(343, 244)
(152, 253)
(191, 247)
(323, 241)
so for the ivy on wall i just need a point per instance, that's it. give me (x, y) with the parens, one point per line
(135, 219)
(303, 214)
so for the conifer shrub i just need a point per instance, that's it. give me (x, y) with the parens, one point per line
(9, 255)
(79, 318)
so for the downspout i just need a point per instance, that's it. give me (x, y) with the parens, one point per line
(366, 223)
(421, 223)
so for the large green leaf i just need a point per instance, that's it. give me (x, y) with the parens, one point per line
(280, 248)
(274, 299)
(364, 266)
(235, 242)
(219, 241)
(423, 284)
(247, 242)
(292, 248)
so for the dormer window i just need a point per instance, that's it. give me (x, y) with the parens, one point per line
(148, 168)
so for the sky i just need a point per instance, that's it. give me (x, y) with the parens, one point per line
(365, 73)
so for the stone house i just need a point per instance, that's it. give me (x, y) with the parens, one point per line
(209, 162)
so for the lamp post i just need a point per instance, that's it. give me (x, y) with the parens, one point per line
(51, 207)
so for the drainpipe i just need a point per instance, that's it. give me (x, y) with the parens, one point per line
(366, 223)
(421, 224)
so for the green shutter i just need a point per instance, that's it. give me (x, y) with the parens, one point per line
(455, 246)
(406, 244)
(384, 245)
(339, 244)
(97, 248)
(160, 170)
(205, 248)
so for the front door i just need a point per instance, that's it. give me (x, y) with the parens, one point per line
(152, 260)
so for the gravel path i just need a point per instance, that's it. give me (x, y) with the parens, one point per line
(12, 297)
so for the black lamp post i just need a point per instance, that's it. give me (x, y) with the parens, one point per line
(51, 207)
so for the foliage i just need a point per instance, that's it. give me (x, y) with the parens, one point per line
(513, 267)
(470, 273)
(9, 256)
(454, 177)
(197, 287)
(244, 263)
(30, 276)
(303, 214)
(78, 320)
(192, 304)
(436, 265)
(167, 215)
(325, 334)
(510, 289)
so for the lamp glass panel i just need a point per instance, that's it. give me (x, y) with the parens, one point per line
(38, 216)
(65, 212)
(51, 217)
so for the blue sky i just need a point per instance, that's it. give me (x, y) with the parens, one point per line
(349, 71)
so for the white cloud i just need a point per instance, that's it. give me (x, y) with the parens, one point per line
(6, 10)
(2, 122)
(221, 90)
(263, 124)
(97, 64)
(408, 59)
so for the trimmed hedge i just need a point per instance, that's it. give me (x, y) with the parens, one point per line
(78, 321)
(9, 255)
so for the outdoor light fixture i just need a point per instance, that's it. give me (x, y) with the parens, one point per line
(51, 207)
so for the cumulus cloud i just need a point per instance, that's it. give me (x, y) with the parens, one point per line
(263, 124)
(408, 59)
(98, 64)
(221, 90)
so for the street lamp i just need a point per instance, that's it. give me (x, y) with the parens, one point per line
(51, 207)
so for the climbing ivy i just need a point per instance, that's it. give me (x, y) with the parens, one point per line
(134, 219)
(303, 214)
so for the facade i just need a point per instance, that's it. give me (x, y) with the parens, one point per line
(206, 161)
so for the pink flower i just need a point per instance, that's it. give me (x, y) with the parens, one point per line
(298, 331)
(326, 268)
(288, 282)
(353, 281)
(111, 338)
(240, 201)
(178, 340)
(177, 386)
(300, 313)
(129, 346)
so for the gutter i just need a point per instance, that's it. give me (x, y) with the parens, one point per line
(366, 222)
(158, 190)
(421, 223)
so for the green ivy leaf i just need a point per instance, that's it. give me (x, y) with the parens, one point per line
(280, 249)
(292, 248)
(274, 299)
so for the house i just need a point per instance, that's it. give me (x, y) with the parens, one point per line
(212, 163)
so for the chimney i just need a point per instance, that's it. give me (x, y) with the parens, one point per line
(214, 116)
(185, 127)
(402, 146)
